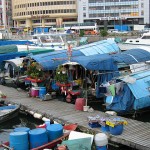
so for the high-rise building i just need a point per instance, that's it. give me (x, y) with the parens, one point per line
(5, 13)
(42, 13)
(58, 13)
(111, 12)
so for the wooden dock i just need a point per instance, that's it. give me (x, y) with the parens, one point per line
(136, 134)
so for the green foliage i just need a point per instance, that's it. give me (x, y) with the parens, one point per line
(61, 75)
(34, 71)
(103, 33)
(81, 33)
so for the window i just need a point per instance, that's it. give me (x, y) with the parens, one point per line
(84, 8)
(84, 14)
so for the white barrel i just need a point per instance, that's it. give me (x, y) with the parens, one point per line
(101, 139)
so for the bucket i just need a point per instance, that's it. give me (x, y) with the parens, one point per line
(101, 139)
(86, 108)
(101, 147)
(19, 140)
(105, 128)
(42, 92)
(117, 130)
(22, 129)
(34, 91)
(54, 131)
(80, 102)
(37, 137)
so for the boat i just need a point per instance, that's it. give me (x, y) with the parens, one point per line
(8, 112)
(50, 145)
(56, 41)
(144, 40)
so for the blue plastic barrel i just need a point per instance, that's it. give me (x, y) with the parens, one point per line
(19, 140)
(54, 131)
(42, 92)
(117, 130)
(22, 129)
(37, 137)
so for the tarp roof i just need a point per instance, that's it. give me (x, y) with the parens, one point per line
(12, 55)
(100, 47)
(96, 62)
(132, 56)
(140, 88)
(50, 61)
(15, 62)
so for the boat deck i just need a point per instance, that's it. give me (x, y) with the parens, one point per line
(136, 134)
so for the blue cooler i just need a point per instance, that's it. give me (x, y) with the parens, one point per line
(117, 130)
(19, 140)
(37, 137)
(54, 131)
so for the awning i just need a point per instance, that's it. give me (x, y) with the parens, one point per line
(132, 56)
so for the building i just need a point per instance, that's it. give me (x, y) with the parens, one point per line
(111, 12)
(44, 13)
(5, 13)
(69, 13)
(147, 12)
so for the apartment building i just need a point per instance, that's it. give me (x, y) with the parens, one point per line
(111, 12)
(44, 13)
(33, 13)
(5, 13)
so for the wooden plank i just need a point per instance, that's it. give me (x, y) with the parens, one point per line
(136, 134)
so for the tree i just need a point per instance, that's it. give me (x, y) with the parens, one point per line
(103, 33)
(81, 33)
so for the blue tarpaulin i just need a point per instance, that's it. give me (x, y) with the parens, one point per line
(132, 56)
(15, 42)
(134, 96)
(50, 61)
(96, 62)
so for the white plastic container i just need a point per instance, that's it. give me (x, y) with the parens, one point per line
(101, 139)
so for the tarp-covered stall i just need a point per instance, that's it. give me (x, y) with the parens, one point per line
(135, 94)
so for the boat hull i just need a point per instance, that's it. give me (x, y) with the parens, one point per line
(10, 115)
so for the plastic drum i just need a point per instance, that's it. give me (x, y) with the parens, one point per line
(19, 140)
(37, 137)
(54, 131)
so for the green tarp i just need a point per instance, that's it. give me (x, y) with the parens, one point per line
(8, 49)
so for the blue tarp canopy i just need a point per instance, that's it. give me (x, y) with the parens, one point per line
(134, 96)
(12, 55)
(51, 61)
(132, 56)
(96, 62)
(100, 47)
(15, 42)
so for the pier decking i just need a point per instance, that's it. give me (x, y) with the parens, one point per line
(136, 134)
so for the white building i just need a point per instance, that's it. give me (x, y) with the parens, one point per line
(111, 12)
(5, 13)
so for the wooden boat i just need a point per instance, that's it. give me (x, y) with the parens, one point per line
(8, 112)
(52, 144)
(49, 145)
